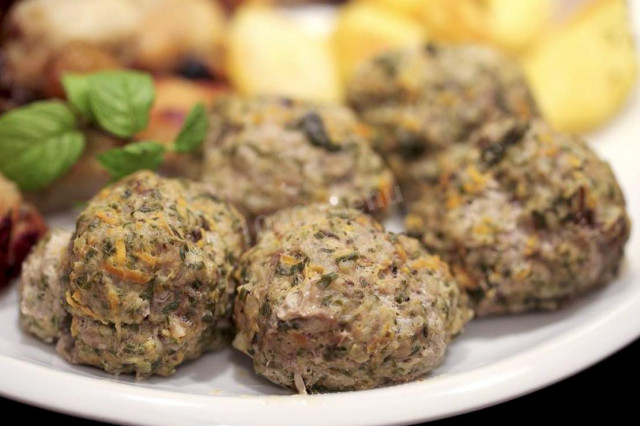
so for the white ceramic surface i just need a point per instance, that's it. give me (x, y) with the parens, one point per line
(495, 360)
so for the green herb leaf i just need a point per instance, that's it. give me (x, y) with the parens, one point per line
(193, 131)
(76, 89)
(121, 101)
(39, 143)
(327, 279)
(347, 257)
(121, 162)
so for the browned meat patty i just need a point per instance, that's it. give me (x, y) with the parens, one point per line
(329, 301)
(265, 154)
(528, 217)
(149, 268)
(420, 100)
(42, 292)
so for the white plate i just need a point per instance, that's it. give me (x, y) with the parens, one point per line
(495, 360)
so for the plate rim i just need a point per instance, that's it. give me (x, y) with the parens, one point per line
(424, 400)
(430, 399)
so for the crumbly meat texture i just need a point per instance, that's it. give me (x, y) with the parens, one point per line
(149, 275)
(528, 217)
(42, 305)
(334, 303)
(265, 154)
(21, 226)
(420, 100)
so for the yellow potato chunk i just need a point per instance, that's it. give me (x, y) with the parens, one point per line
(514, 25)
(508, 24)
(268, 54)
(365, 30)
(582, 73)
(445, 20)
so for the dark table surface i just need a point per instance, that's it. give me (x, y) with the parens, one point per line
(600, 390)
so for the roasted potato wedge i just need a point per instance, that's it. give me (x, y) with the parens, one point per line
(364, 30)
(445, 20)
(232, 4)
(268, 54)
(514, 25)
(508, 24)
(582, 73)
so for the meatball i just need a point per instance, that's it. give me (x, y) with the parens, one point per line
(21, 226)
(42, 305)
(528, 217)
(149, 275)
(420, 100)
(265, 154)
(329, 301)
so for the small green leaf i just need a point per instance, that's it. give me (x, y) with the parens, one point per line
(193, 131)
(76, 89)
(121, 162)
(121, 101)
(39, 143)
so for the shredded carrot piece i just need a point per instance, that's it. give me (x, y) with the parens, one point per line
(121, 252)
(181, 204)
(288, 260)
(431, 262)
(414, 222)
(137, 277)
(465, 280)
(112, 296)
(73, 301)
(147, 258)
(316, 268)
(105, 218)
(573, 161)
(453, 201)
(483, 228)
(478, 180)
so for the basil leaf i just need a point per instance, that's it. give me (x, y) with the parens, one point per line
(121, 101)
(76, 89)
(39, 143)
(193, 131)
(120, 162)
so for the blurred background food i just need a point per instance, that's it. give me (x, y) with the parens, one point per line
(232, 4)
(574, 52)
(271, 54)
(365, 29)
(508, 24)
(582, 71)
(21, 226)
(43, 39)
(578, 55)
(175, 96)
